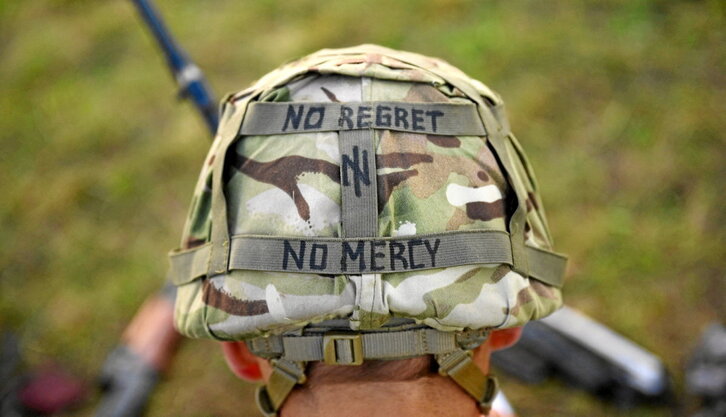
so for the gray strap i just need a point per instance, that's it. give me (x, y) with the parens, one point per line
(285, 375)
(546, 266)
(390, 345)
(359, 210)
(461, 368)
(353, 256)
(428, 118)
(190, 264)
(350, 256)
(358, 256)
(226, 135)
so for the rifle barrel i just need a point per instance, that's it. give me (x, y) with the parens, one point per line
(188, 76)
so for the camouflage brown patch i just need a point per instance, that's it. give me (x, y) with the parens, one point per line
(425, 93)
(330, 95)
(458, 219)
(387, 182)
(523, 297)
(500, 272)
(283, 173)
(193, 242)
(483, 176)
(542, 290)
(393, 142)
(374, 58)
(458, 92)
(444, 141)
(402, 159)
(219, 299)
(468, 275)
(532, 201)
(485, 211)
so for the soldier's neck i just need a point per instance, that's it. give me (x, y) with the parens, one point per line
(432, 395)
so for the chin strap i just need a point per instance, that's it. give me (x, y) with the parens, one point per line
(455, 363)
(459, 366)
(285, 375)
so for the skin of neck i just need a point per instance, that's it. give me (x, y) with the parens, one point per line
(425, 395)
(403, 394)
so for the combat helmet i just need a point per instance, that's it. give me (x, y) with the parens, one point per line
(362, 204)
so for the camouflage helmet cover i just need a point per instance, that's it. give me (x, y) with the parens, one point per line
(284, 193)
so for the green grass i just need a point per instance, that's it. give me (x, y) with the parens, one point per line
(619, 105)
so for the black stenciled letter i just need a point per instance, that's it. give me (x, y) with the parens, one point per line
(348, 252)
(411, 246)
(434, 114)
(314, 254)
(383, 116)
(297, 257)
(432, 251)
(416, 119)
(363, 116)
(293, 117)
(320, 110)
(345, 116)
(401, 117)
(359, 174)
(374, 255)
(396, 249)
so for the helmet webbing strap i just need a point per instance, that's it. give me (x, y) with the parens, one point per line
(228, 132)
(358, 180)
(459, 366)
(291, 353)
(358, 195)
(280, 118)
(350, 348)
(338, 256)
(285, 375)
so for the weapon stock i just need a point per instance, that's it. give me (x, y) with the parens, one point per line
(147, 346)
(588, 355)
(706, 372)
(132, 369)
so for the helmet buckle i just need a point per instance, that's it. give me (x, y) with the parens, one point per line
(342, 349)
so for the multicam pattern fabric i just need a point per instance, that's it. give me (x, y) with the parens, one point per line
(290, 185)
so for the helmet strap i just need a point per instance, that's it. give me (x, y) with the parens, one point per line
(459, 366)
(285, 375)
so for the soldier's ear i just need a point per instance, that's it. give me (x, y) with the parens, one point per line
(500, 339)
(242, 363)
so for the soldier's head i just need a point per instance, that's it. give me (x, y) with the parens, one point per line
(365, 216)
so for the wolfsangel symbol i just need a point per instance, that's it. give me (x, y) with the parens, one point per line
(305, 117)
(354, 165)
(362, 256)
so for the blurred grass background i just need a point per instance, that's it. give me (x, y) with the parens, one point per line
(619, 105)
